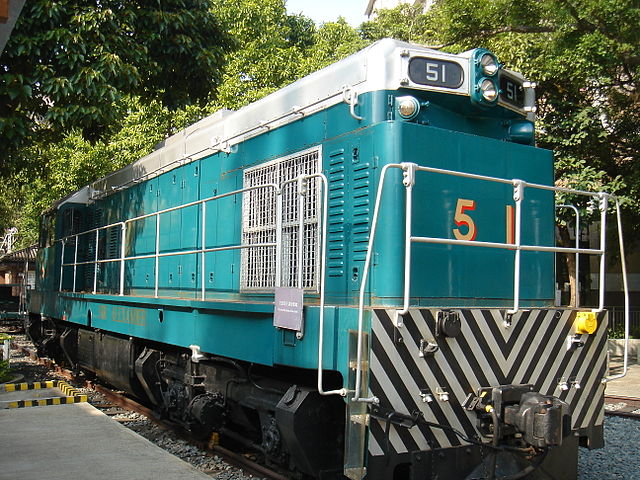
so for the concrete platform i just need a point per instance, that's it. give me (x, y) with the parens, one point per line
(627, 386)
(62, 442)
(29, 395)
(53, 392)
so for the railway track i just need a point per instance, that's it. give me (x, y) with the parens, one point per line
(619, 406)
(120, 408)
(118, 404)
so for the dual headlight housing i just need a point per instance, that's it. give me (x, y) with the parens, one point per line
(485, 86)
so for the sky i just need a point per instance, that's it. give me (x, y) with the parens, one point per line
(330, 10)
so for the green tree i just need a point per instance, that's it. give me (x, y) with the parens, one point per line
(405, 22)
(69, 63)
(332, 42)
(275, 48)
(64, 166)
(270, 48)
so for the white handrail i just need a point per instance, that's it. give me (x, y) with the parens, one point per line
(157, 255)
(625, 288)
(603, 240)
(518, 195)
(203, 262)
(519, 186)
(301, 180)
(363, 283)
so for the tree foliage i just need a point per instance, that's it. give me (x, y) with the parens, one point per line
(69, 63)
(405, 22)
(271, 50)
(583, 54)
(275, 48)
(74, 161)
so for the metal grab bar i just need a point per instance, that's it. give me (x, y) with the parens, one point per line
(157, 255)
(519, 187)
(302, 181)
(625, 288)
(363, 282)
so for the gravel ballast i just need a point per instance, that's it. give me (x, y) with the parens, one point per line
(619, 459)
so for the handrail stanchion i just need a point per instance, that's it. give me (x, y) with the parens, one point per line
(157, 257)
(75, 263)
(95, 268)
(323, 268)
(625, 286)
(300, 252)
(603, 239)
(122, 255)
(518, 194)
(278, 279)
(409, 180)
(363, 283)
(64, 242)
(203, 264)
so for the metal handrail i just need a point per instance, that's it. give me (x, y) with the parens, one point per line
(518, 195)
(363, 282)
(301, 181)
(157, 255)
(409, 174)
(625, 288)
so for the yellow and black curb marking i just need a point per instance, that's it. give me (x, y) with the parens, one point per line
(16, 387)
(71, 395)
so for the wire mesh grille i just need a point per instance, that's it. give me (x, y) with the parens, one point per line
(259, 223)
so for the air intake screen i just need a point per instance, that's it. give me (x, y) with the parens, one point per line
(259, 223)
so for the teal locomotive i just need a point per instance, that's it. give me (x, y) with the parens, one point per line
(354, 276)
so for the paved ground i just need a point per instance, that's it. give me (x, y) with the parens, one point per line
(77, 441)
(629, 385)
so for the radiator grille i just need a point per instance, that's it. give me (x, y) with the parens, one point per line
(259, 223)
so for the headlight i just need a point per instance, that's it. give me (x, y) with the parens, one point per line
(408, 107)
(489, 90)
(484, 78)
(488, 63)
